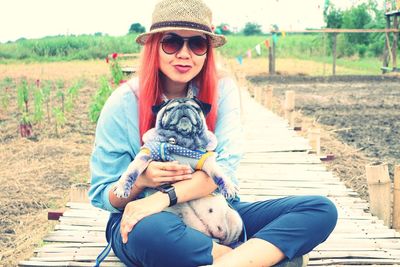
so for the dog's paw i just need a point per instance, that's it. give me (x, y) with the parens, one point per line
(123, 187)
(226, 186)
(120, 192)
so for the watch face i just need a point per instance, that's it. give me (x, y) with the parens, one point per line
(170, 190)
(165, 187)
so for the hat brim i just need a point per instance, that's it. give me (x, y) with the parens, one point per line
(217, 40)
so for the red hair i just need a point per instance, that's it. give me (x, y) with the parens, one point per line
(150, 87)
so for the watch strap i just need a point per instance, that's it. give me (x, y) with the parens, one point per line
(170, 190)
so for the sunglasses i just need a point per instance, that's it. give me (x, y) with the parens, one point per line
(172, 43)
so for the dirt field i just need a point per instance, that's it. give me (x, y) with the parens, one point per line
(359, 117)
(36, 173)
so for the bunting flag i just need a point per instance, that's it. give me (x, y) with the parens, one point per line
(258, 49)
(239, 59)
(267, 44)
(249, 53)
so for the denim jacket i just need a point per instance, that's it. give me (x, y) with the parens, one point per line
(117, 138)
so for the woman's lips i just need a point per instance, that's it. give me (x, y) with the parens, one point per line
(182, 68)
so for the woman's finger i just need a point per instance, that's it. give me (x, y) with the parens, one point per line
(175, 178)
(127, 227)
(173, 166)
(173, 173)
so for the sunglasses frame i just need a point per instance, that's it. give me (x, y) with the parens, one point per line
(185, 40)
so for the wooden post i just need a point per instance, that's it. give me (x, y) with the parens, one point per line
(258, 94)
(268, 93)
(314, 138)
(386, 49)
(334, 54)
(272, 55)
(379, 190)
(79, 192)
(271, 60)
(289, 107)
(396, 198)
(395, 41)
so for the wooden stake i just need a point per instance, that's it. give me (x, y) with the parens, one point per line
(396, 198)
(395, 41)
(258, 94)
(334, 54)
(386, 51)
(79, 192)
(379, 190)
(314, 138)
(289, 107)
(268, 93)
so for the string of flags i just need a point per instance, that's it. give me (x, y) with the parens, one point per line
(257, 47)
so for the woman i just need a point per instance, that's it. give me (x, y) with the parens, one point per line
(178, 61)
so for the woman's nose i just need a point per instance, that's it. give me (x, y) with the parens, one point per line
(184, 52)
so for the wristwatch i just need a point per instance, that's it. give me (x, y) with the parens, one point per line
(170, 190)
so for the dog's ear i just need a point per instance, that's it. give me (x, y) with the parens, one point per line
(156, 108)
(205, 107)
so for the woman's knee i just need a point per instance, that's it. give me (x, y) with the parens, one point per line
(155, 229)
(162, 239)
(324, 211)
(328, 207)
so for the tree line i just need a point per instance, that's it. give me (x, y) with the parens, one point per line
(367, 15)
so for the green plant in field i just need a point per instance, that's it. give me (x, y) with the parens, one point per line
(99, 99)
(60, 93)
(23, 96)
(59, 119)
(5, 93)
(38, 113)
(46, 90)
(115, 68)
(72, 94)
(25, 125)
(5, 99)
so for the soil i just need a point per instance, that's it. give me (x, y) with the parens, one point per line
(359, 120)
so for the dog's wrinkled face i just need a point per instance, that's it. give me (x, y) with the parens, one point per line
(183, 116)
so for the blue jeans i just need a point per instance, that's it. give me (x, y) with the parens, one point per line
(295, 225)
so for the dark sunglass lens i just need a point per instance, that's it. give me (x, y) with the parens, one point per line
(172, 44)
(198, 45)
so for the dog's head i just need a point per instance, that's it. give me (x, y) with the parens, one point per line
(182, 121)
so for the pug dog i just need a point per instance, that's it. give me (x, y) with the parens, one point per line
(181, 134)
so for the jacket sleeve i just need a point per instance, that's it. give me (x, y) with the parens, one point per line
(114, 148)
(229, 128)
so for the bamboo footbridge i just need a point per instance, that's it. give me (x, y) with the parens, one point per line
(277, 163)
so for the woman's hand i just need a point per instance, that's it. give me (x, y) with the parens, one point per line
(140, 208)
(158, 173)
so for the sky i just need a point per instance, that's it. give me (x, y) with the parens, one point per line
(39, 18)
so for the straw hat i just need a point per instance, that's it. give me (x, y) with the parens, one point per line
(194, 15)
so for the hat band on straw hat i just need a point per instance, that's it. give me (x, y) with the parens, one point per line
(184, 24)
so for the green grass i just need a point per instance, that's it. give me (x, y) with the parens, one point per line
(64, 48)
(313, 47)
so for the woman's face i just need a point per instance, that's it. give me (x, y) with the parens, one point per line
(184, 64)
